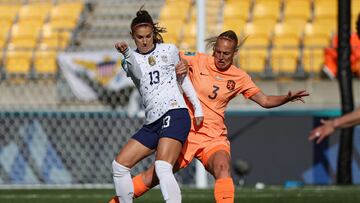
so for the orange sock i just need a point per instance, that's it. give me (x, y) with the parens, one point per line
(139, 188)
(224, 190)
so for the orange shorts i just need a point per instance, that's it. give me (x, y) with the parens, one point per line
(201, 146)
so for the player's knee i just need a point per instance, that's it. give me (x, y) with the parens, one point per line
(123, 161)
(119, 169)
(162, 167)
(221, 169)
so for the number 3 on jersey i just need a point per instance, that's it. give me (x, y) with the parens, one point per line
(215, 92)
(154, 77)
(166, 122)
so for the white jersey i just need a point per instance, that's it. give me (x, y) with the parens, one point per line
(154, 76)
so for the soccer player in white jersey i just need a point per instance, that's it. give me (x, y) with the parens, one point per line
(152, 68)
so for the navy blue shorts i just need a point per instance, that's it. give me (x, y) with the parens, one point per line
(174, 124)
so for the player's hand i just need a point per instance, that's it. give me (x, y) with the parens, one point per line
(198, 120)
(181, 70)
(121, 47)
(323, 131)
(297, 96)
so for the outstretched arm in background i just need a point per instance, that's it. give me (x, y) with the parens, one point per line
(327, 127)
(274, 101)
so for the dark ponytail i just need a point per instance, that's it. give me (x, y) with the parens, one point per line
(144, 18)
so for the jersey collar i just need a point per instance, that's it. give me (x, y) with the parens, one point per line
(151, 50)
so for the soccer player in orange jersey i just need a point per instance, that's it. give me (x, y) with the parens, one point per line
(216, 82)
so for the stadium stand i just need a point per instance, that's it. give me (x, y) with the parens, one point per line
(32, 25)
(304, 27)
(294, 9)
(285, 35)
(18, 63)
(284, 61)
(312, 60)
(45, 63)
(253, 60)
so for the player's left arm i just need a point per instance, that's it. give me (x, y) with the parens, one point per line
(271, 101)
(187, 86)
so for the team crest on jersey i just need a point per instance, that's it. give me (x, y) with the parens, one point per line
(230, 85)
(164, 58)
(151, 60)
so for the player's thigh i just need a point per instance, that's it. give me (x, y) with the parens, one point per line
(218, 164)
(132, 153)
(168, 150)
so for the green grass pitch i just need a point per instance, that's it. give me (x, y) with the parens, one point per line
(272, 194)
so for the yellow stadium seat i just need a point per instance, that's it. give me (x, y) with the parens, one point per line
(45, 62)
(238, 9)
(190, 30)
(328, 24)
(258, 29)
(174, 11)
(256, 42)
(253, 60)
(269, 1)
(353, 23)
(355, 7)
(18, 62)
(68, 1)
(4, 33)
(297, 9)
(23, 36)
(316, 42)
(35, 11)
(237, 1)
(12, 2)
(284, 61)
(173, 26)
(298, 23)
(170, 38)
(317, 35)
(8, 12)
(69, 11)
(266, 9)
(332, 2)
(39, 1)
(189, 36)
(286, 35)
(325, 10)
(235, 24)
(313, 60)
(63, 24)
(188, 43)
(54, 39)
(266, 24)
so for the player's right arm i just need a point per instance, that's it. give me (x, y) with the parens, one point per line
(131, 66)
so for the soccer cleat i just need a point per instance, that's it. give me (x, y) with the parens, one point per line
(115, 199)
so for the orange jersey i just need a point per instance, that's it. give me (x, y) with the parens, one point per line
(215, 89)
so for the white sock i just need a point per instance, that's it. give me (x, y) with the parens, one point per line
(123, 183)
(169, 187)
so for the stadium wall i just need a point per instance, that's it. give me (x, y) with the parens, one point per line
(74, 148)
